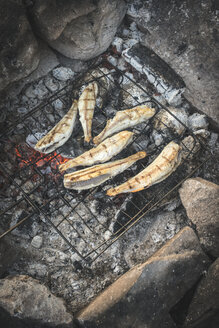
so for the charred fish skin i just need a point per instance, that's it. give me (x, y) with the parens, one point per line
(125, 119)
(98, 174)
(102, 153)
(58, 135)
(86, 105)
(163, 166)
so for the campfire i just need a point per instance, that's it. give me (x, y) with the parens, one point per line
(82, 217)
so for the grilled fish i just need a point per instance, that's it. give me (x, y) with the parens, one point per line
(165, 164)
(125, 119)
(102, 153)
(86, 105)
(95, 175)
(60, 133)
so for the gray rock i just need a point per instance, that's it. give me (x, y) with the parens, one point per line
(37, 241)
(19, 54)
(25, 298)
(52, 17)
(189, 45)
(79, 30)
(143, 296)
(205, 302)
(201, 201)
(63, 73)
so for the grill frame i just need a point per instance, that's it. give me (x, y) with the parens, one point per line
(93, 254)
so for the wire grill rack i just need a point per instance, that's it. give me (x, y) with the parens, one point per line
(35, 186)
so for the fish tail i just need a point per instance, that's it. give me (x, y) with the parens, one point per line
(70, 164)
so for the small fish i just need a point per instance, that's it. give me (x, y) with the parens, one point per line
(125, 119)
(102, 153)
(95, 175)
(164, 165)
(60, 133)
(86, 105)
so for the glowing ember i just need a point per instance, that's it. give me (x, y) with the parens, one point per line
(29, 156)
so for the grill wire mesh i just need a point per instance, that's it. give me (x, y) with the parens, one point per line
(36, 186)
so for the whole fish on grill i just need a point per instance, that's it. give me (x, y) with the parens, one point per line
(164, 165)
(58, 135)
(125, 119)
(102, 153)
(95, 175)
(86, 105)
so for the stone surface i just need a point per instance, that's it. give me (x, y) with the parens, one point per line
(201, 201)
(158, 72)
(184, 34)
(143, 296)
(8, 255)
(79, 30)
(19, 54)
(25, 298)
(205, 303)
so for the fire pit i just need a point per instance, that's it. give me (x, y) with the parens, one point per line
(89, 221)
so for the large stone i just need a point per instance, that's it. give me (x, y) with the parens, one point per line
(205, 303)
(25, 298)
(143, 296)
(184, 34)
(201, 201)
(78, 29)
(19, 54)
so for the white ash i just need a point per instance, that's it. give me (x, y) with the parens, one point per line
(121, 64)
(164, 120)
(118, 44)
(63, 73)
(197, 121)
(22, 110)
(51, 84)
(112, 60)
(203, 133)
(157, 138)
(57, 104)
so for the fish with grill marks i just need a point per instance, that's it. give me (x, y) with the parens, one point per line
(102, 153)
(86, 105)
(164, 165)
(125, 119)
(95, 175)
(60, 133)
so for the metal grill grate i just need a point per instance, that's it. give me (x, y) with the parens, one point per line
(35, 185)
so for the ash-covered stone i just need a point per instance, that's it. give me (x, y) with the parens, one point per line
(159, 73)
(37, 241)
